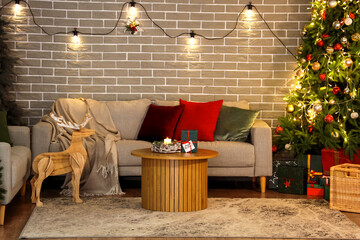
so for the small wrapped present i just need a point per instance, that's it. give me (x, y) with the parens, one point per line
(335, 157)
(315, 190)
(314, 165)
(325, 180)
(274, 178)
(292, 179)
(327, 192)
(189, 142)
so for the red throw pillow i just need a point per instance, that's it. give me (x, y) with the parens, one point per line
(199, 116)
(159, 122)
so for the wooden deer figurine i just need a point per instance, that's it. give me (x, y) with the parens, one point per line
(56, 163)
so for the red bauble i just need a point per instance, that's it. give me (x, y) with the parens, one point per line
(336, 90)
(322, 76)
(325, 35)
(308, 57)
(337, 47)
(351, 15)
(274, 148)
(320, 43)
(311, 128)
(328, 118)
(278, 129)
(323, 14)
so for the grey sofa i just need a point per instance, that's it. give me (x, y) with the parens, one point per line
(15, 161)
(246, 159)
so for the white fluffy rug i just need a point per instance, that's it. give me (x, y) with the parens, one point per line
(225, 217)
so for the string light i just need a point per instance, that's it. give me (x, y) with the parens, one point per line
(192, 38)
(76, 36)
(249, 11)
(17, 7)
(133, 11)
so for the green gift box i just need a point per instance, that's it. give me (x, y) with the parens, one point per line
(186, 137)
(314, 165)
(292, 179)
(327, 192)
(315, 190)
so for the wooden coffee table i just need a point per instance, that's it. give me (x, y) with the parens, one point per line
(174, 182)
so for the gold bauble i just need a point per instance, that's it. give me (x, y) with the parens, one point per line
(300, 49)
(348, 21)
(336, 25)
(329, 50)
(354, 115)
(348, 62)
(300, 73)
(332, 3)
(290, 108)
(332, 102)
(315, 66)
(343, 40)
(318, 107)
(303, 60)
(335, 134)
(355, 37)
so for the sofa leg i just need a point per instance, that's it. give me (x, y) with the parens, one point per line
(23, 189)
(262, 184)
(2, 214)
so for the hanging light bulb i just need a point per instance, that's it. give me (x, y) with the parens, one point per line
(132, 10)
(17, 7)
(249, 11)
(76, 37)
(192, 38)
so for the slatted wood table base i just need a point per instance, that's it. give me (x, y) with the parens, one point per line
(174, 182)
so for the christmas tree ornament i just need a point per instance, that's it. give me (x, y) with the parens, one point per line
(274, 148)
(311, 128)
(343, 40)
(318, 107)
(332, 102)
(347, 90)
(351, 15)
(322, 76)
(325, 35)
(300, 49)
(329, 50)
(336, 25)
(303, 60)
(303, 32)
(348, 21)
(323, 14)
(335, 134)
(332, 3)
(288, 146)
(290, 108)
(278, 130)
(336, 90)
(315, 66)
(354, 115)
(320, 43)
(348, 62)
(355, 37)
(328, 118)
(337, 47)
(308, 57)
(300, 73)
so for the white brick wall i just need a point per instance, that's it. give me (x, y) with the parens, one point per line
(249, 64)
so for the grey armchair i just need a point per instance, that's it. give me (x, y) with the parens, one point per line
(16, 162)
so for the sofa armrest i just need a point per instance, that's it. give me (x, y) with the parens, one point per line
(41, 138)
(5, 157)
(20, 136)
(262, 141)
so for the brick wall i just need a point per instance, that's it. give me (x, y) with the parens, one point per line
(249, 64)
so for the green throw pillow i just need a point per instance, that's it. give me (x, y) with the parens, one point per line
(4, 131)
(234, 124)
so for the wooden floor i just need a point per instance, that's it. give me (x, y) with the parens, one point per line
(19, 210)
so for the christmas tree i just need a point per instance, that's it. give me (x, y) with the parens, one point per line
(7, 79)
(324, 103)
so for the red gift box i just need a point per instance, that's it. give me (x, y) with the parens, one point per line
(315, 190)
(333, 157)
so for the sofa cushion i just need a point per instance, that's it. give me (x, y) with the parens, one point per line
(199, 116)
(20, 156)
(234, 124)
(128, 116)
(124, 148)
(160, 122)
(231, 154)
(4, 131)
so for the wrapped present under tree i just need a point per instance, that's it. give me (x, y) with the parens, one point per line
(314, 165)
(292, 179)
(335, 157)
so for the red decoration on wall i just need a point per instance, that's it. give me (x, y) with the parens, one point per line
(328, 118)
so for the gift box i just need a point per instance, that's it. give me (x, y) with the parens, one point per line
(189, 142)
(325, 180)
(314, 165)
(327, 192)
(315, 190)
(292, 179)
(274, 179)
(335, 157)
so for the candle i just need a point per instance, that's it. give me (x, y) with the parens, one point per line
(167, 141)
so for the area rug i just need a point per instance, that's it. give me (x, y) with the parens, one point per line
(224, 217)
